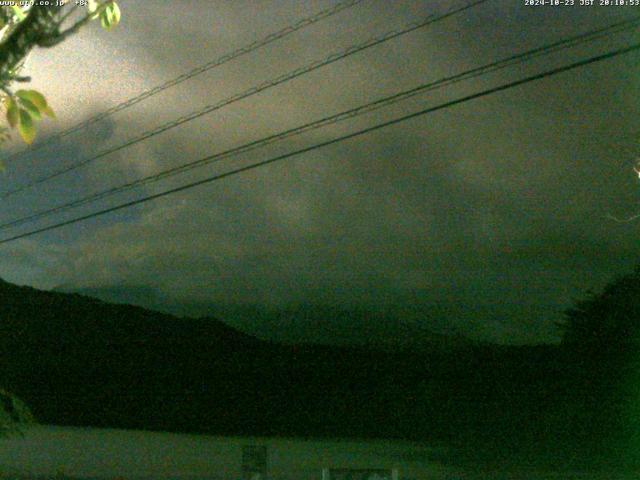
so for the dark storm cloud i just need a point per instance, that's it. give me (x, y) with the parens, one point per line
(485, 219)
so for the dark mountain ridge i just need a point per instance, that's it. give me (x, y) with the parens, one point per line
(33, 315)
(295, 323)
(80, 361)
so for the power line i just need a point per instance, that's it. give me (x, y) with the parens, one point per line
(316, 146)
(250, 92)
(272, 37)
(345, 115)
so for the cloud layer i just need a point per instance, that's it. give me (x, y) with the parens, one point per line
(491, 213)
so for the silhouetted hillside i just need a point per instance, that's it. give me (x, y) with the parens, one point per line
(36, 316)
(80, 361)
(397, 329)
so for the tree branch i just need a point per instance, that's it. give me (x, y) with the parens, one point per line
(62, 36)
(39, 26)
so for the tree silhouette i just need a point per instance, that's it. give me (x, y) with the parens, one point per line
(602, 346)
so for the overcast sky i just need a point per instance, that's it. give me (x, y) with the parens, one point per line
(486, 219)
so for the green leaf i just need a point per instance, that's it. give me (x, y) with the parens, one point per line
(26, 127)
(104, 20)
(110, 16)
(49, 112)
(31, 108)
(34, 97)
(114, 10)
(13, 117)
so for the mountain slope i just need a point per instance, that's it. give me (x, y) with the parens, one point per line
(398, 329)
(78, 361)
(81, 361)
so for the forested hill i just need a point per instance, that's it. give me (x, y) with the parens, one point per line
(80, 361)
(35, 317)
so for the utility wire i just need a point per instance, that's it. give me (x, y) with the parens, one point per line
(252, 91)
(332, 119)
(342, 138)
(272, 37)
